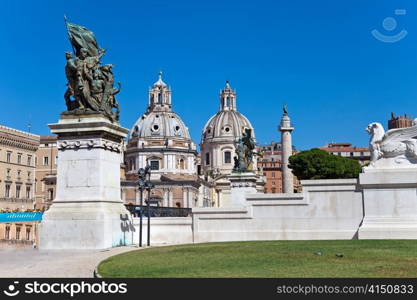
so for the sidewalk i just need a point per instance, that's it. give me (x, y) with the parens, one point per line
(53, 263)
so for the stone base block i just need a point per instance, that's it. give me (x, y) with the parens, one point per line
(87, 212)
(241, 184)
(390, 204)
(388, 228)
(86, 226)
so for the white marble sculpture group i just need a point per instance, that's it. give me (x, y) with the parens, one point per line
(394, 148)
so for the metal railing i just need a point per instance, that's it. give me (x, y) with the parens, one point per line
(157, 211)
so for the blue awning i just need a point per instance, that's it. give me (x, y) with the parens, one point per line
(20, 217)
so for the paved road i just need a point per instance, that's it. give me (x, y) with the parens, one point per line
(58, 263)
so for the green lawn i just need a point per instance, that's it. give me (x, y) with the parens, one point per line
(361, 258)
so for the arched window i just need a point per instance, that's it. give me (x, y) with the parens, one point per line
(182, 164)
(207, 158)
(160, 98)
(227, 157)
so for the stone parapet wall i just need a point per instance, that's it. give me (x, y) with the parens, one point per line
(328, 209)
(164, 231)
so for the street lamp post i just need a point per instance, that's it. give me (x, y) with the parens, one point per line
(145, 184)
(140, 218)
(149, 186)
(141, 183)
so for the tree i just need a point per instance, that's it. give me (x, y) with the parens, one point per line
(319, 164)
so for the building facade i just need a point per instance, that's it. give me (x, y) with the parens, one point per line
(17, 168)
(270, 166)
(160, 139)
(17, 183)
(46, 164)
(399, 122)
(18, 233)
(361, 154)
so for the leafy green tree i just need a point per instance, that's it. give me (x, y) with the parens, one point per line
(319, 164)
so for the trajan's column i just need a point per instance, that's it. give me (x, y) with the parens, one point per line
(286, 141)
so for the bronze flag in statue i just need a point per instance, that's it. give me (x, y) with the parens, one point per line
(81, 37)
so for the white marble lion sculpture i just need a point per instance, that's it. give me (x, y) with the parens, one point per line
(396, 147)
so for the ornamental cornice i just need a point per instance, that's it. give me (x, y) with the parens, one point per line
(89, 144)
(16, 143)
(242, 184)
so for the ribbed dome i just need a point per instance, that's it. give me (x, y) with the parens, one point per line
(226, 124)
(160, 124)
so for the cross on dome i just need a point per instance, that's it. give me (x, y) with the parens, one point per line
(159, 82)
(227, 86)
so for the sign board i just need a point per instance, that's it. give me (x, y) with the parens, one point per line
(20, 217)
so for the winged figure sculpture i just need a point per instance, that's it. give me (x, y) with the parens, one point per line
(396, 147)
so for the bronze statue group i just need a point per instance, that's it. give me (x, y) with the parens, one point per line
(90, 84)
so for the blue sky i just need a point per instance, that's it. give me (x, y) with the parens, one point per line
(318, 56)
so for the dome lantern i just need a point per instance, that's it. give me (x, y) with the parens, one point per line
(160, 96)
(227, 98)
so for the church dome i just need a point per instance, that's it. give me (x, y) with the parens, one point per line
(228, 124)
(159, 121)
(160, 124)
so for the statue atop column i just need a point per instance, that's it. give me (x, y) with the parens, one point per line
(245, 151)
(90, 86)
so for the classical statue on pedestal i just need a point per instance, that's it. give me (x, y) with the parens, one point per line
(245, 152)
(90, 86)
(394, 148)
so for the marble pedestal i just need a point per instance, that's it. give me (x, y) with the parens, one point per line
(240, 185)
(87, 212)
(390, 203)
